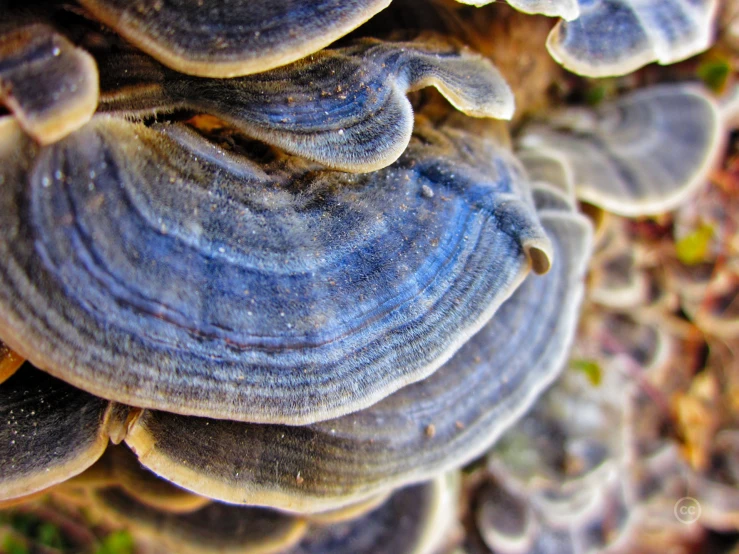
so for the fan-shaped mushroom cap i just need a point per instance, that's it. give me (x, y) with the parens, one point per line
(642, 154)
(566, 9)
(430, 426)
(345, 108)
(714, 305)
(412, 520)
(50, 85)
(214, 528)
(180, 277)
(616, 280)
(350, 512)
(50, 431)
(580, 519)
(9, 362)
(119, 467)
(615, 37)
(558, 471)
(228, 38)
(609, 337)
(549, 166)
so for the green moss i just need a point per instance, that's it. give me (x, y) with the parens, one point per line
(119, 542)
(48, 534)
(693, 248)
(714, 72)
(590, 368)
(599, 90)
(13, 545)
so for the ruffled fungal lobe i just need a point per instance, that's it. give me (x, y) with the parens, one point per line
(216, 527)
(566, 9)
(555, 479)
(50, 432)
(46, 82)
(344, 108)
(616, 37)
(549, 167)
(119, 467)
(641, 154)
(414, 520)
(228, 38)
(617, 279)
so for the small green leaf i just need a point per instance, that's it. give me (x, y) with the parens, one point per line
(693, 248)
(13, 545)
(595, 95)
(48, 535)
(714, 73)
(599, 90)
(119, 542)
(590, 368)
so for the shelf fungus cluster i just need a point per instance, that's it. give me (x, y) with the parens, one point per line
(295, 292)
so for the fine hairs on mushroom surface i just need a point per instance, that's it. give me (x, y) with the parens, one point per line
(50, 86)
(616, 37)
(231, 38)
(356, 276)
(389, 444)
(616, 155)
(360, 91)
(243, 301)
(413, 520)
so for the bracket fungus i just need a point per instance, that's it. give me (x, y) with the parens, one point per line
(413, 520)
(50, 432)
(215, 527)
(424, 428)
(616, 280)
(48, 84)
(617, 155)
(588, 469)
(615, 37)
(279, 293)
(467, 403)
(119, 467)
(297, 290)
(566, 9)
(344, 108)
(232, 38)
(559, 481)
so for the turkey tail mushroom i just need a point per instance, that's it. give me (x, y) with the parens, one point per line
(214, 528)
(345, 108)
(616, 37)
(232, 38)
(413, 520)
(51, 432)
(642, 154)
(566, 9)
(439, 423)
(272, 293)
(49, 85)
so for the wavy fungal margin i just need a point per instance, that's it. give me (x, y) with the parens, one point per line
(150, 267)
(230, 39)
(345, 108)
